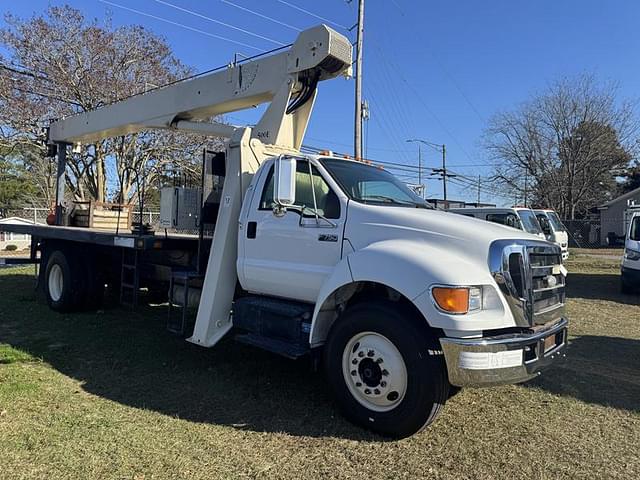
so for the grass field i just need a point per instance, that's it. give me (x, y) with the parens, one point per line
(112, 395)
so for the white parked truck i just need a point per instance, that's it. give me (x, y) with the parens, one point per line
(554, 230)
(320, 256)
(515, 217)
(630, 269)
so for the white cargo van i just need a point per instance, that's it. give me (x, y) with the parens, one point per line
(516, 217)
(554, 230)
(630, 274)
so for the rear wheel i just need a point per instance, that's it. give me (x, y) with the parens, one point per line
(385, 369)
(64, 286)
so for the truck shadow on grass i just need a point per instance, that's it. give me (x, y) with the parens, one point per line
(598, 369)
(599, 286)
(130, 358)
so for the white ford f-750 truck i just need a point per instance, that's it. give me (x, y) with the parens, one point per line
(320, 256)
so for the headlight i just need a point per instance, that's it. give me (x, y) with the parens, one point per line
(631, 254)
(457, 300)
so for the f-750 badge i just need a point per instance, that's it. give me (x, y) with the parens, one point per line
(327, 237)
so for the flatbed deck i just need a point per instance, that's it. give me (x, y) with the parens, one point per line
(154, 241)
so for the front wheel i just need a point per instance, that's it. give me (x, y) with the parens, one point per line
(386, 369)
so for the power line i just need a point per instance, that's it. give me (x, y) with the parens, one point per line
(313, 14)
(261, 15)
(181, 25)
(228, 25)
(25, 71)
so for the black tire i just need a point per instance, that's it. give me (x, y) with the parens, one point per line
(73, 285)
(427, 385)
(624, 287)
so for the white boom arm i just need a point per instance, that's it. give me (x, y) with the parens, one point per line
(288, 80)
(318, 54)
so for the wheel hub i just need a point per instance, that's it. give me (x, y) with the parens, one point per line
(56, 282)
(374, 371)
(370, 372)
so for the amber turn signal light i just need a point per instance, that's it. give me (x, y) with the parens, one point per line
(452, 300)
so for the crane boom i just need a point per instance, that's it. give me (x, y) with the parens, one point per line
(318, 54)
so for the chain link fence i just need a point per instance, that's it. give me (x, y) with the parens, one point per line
(595, 233)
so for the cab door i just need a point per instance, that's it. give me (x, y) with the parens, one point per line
(291, 254)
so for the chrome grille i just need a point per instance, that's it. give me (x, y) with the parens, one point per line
(530, 277)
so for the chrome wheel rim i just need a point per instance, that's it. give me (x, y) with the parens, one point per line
(56, 282)
(374, 371)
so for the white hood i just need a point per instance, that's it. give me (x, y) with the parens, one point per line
(465, 236)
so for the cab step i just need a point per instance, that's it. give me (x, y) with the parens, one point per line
(273, 324)
(273, 345)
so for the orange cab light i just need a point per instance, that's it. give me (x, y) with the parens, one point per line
(452, 300)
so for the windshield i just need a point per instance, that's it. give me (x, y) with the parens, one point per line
(529, 221)
(555, 222)
(372, 185)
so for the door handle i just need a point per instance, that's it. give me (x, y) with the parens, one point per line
(251, 229)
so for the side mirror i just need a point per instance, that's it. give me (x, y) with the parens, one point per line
(285, 181)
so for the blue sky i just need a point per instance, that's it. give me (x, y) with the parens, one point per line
(435, 70)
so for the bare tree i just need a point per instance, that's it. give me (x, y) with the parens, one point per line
(562, 148)
(61, 64)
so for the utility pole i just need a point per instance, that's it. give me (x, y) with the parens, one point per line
(478, 190)
(357, 136)
(526, 177)
(420, 170)
(444, 172)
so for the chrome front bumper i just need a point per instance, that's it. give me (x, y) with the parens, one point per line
(480, 362)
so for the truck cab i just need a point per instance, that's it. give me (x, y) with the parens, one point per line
(554, 230)
(385, 274)
(630, 268)
(515, 217)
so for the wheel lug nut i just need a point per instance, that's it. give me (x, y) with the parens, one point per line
(370, 353)
(358, 384)
(354, 373)
(383, 384)
(367, 391)
(376, 391)
(385, 372)
(354, 361)
(379, 360)
(361, 354)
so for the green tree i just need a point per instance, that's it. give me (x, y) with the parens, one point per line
(16, 187)
(631, 177)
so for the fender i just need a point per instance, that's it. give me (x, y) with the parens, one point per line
(410, 268)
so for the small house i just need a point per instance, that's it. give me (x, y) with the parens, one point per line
(613, 215)
(20, 240)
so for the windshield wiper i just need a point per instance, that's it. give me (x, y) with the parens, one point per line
(392, 200)
(387, 199)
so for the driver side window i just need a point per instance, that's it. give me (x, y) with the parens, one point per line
(306, 185)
